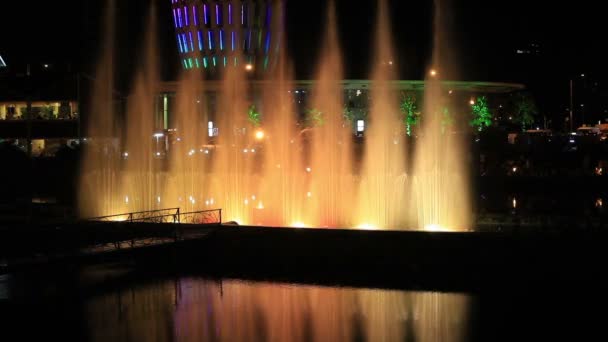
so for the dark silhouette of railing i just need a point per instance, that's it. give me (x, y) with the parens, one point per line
(169, 215)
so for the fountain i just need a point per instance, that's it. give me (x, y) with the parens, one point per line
(283, 164)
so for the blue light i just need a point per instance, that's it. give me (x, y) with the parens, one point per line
(179, 42)
(210, 36)
(195, 15)
(217, 15)
(200, 40)
(267, 42)
(191, 42)
(175, 17)
(179, 16)
(205, 14)
(233, 39)
(221, 39)
(186, 16)
(185, 42)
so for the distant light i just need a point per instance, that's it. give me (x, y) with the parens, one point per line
(245, 150)
(158, 154)
(127, 199)
(309, 194)
(308, 169)
(514, 169)
(253, 150)
(514, 203)
(572, 141)
(472, 102)
(179, 139)
(298, 225)
(259, 134)
(599, 203)
(249, 67)
(246, 202)
(253, 197)
(126, 154)
(390, 62)
(158, 199)
(360, 126)
(582, 75)
(260, 205)
(358, 92)
(46, 66)
(158, 135)
(433, 72)
(206, 151)
(450, 92)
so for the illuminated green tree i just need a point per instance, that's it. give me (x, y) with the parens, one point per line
(447, 119)
(482, 117)
(409, 113)
(255, 118)
(524, 109)
(314, 118)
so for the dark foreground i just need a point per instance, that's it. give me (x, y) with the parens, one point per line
(362, 285)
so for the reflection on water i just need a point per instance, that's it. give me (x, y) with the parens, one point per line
(201, 310)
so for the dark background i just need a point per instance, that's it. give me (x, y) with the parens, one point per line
(570, 37)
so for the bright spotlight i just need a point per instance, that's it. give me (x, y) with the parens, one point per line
(259, 135)
(434, 228)
(366, 226)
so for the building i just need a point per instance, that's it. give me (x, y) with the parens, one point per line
(39, 109)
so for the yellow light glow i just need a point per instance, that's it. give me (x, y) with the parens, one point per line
(260, 205)
(472, 102)
(249, 67)
(435, 228)
(127, 199)
(433, 72)
(308, 169)
(298, 225)
(366, 226)
(259, 135)
(309, 194)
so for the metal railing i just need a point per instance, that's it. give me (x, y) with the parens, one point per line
(170, 215)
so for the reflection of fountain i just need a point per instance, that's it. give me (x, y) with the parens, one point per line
(279, 173)
(200, 310)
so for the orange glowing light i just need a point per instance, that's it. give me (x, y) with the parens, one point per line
(298, 225)
(366, 226)
(259, 135)
(249, 67)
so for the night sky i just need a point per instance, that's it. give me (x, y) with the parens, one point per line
(486, 33)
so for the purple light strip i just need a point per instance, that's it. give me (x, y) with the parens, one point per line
(186, 16)
(175, 17)
(229, 14)
(179, 16)
(205, 14)
(195, 15)
(243, 14)
(217, 14)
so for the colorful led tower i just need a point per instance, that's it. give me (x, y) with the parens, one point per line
(212, 35)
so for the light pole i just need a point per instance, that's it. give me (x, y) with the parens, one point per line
(571, 103)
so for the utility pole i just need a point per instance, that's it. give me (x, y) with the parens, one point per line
(571, 103)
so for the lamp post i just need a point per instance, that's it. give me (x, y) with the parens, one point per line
(571, 103)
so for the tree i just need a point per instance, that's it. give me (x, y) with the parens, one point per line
(482, 117)
(524, 109)
(446, 119)
(410, 115)
(255, 118)
(314, 118)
